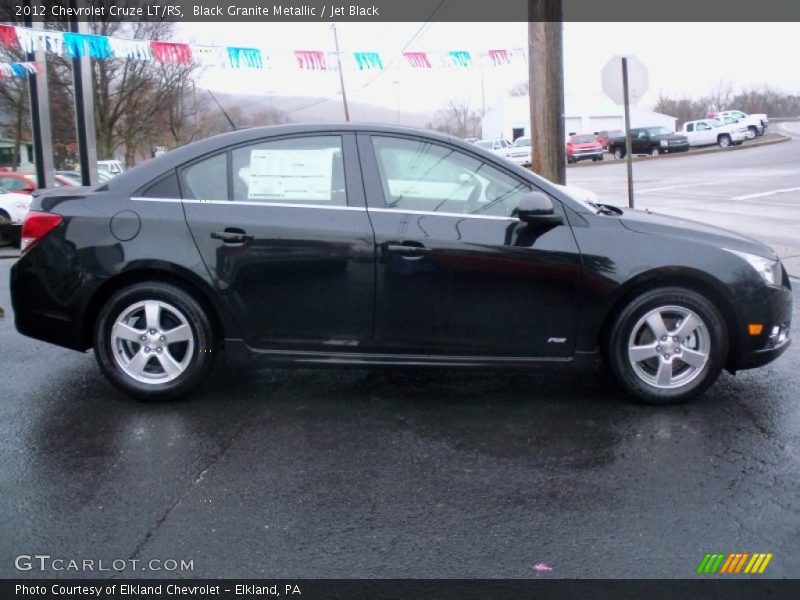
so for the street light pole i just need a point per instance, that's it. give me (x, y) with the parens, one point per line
(341, 74)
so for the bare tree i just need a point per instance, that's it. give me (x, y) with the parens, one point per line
(521, 88)
(457, 118)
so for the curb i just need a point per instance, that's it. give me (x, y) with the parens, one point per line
(754, 144)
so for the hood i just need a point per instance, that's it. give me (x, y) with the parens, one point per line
(656, 224)
(582, 145)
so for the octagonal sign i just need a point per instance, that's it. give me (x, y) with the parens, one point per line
(612, 79)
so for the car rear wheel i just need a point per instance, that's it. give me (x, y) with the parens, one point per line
(667, 345)
(655, 151)
(724, 141)
(619, 153)
(154, 341)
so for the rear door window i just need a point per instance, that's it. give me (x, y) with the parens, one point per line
(305, 170)
(207, 179)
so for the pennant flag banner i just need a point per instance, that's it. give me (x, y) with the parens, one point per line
(22, 69)
(8, 36)
(311, 59)
(100, 47)
(368, 60)
(171, 52)
(418, 60)
(499, 57)
(133, 49)
(460, 58)
(246, 57)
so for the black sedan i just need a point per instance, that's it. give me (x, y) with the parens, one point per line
(356, 245)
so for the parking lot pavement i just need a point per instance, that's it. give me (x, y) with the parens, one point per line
(755, 191)
(401, 473)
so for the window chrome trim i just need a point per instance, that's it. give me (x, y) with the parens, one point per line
(323, 207)
(251, 203)
(441, 214)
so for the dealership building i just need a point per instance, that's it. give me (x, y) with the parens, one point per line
(510, 117)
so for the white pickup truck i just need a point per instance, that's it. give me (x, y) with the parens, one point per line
(756, 123)
(706, 132)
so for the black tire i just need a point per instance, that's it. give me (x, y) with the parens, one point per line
(619, 153)
(200, 360)
(754, 129)
(724, 141)
(655, 151)
(621, 331)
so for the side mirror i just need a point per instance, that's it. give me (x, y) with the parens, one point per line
(537, 207)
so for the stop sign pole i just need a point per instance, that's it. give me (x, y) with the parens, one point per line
(628, 141)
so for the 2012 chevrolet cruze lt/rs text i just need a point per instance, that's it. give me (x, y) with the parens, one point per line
(358, 245)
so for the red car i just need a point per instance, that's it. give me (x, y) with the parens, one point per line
(583, 147)
(602, 137)
(25, 183)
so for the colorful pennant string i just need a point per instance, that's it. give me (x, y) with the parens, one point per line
(99, 47)
(22, 69)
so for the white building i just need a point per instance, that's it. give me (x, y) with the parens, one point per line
(510, 117)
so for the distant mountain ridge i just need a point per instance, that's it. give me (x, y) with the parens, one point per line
(318, 109)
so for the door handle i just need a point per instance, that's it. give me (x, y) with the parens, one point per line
(408, 251)
(232, 236)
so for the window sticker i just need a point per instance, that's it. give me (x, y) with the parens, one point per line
(287, 175)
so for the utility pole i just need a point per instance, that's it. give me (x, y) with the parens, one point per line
(546, 77)
(341, 74)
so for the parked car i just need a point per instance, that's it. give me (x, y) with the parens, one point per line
(111, 167)
(499, 146)
(521, 151)
(706, 132)
(755, 123)
(75, 176)
(604, 136)
(25, 183)
(649, 140)
(583, 147)
(13, 206)
(366, 245)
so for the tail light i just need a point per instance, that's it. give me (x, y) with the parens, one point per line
(36, 226)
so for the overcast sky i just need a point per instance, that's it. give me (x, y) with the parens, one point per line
(682, 58)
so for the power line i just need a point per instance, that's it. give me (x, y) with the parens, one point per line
(415, 36)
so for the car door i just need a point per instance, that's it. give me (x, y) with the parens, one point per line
(457, 272)
(640, 144)
(706, 133)
(282, 227)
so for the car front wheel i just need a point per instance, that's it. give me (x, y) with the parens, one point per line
(619, 153)
(667, 345)
(153, 341)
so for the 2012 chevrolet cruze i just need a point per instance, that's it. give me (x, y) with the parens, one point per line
(358, 245)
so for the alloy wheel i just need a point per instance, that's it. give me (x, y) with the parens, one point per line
(152, 342)
(669, 347)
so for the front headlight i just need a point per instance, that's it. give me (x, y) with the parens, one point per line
(664, 143)
(770, 270)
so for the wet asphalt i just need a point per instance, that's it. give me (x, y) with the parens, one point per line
(401, 473)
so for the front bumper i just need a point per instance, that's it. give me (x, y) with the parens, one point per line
(587, 156)
(772, 308)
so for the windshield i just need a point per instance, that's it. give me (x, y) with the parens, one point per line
(582, 139)
(523, 141)
(658, 131)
